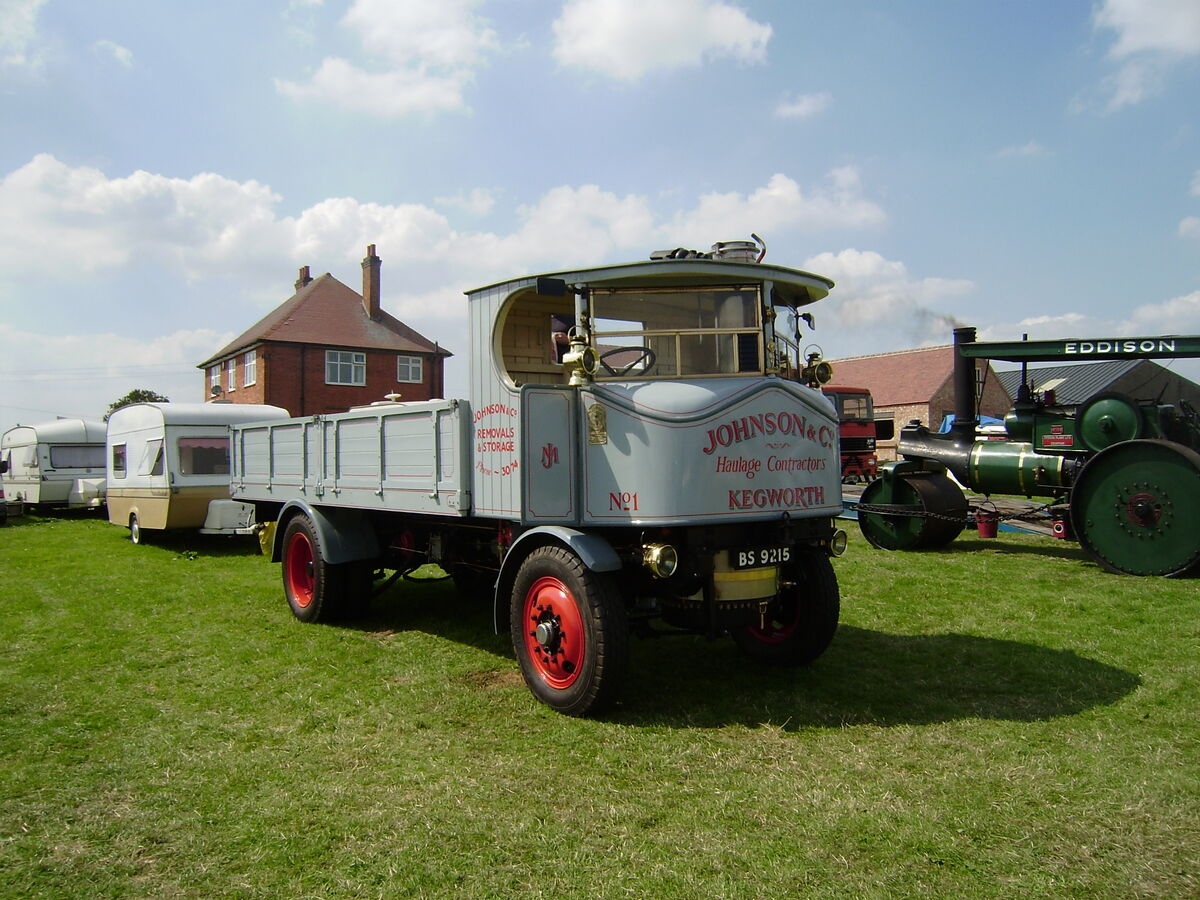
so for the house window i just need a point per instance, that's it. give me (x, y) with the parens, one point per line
(408, 369)
(250, 368)
(345, 367)
(214, 380)
(231, 366)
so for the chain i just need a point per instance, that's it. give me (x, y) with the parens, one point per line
(915, 512)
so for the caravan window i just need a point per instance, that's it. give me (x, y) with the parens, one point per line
(152, 458)
(118, 460)
(203, 456)
(77, 456)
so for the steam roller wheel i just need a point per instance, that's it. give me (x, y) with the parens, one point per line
(931, 511)
(1134, 506)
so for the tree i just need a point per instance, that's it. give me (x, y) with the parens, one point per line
(137, 395)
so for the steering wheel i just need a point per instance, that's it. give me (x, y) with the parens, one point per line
(643, 353)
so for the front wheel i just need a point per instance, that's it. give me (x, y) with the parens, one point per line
(569, 631)
(798, 624)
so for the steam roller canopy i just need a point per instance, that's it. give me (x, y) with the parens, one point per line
(930, 512)
(1107, 419)
(1134, 508)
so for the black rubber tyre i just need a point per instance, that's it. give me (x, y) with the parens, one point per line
(569, 631)
(136, 535)
(800, 622)
(316, 591)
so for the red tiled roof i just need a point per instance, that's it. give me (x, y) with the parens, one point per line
(328, 313)
(902, 377)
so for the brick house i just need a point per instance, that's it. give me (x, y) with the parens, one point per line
(326, 349)
(917, 384)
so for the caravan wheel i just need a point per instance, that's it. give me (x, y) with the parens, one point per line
(135, 530)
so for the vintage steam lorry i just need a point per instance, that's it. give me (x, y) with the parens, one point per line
(651, 467)
(1123, 474)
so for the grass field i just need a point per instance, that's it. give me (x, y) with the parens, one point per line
(1000, 720)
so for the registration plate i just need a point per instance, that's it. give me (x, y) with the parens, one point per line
(754, 557)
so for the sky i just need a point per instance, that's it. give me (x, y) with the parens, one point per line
(165, 168)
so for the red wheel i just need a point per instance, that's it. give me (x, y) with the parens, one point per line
(555, 636)
(318, 591)
(569, 631)
(298, 578)
(799, 622)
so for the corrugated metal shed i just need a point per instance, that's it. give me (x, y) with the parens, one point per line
(1073, 384)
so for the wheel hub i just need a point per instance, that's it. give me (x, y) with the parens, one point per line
(548, 635)
(1143, 510)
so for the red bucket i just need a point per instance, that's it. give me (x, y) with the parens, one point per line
(987, 520)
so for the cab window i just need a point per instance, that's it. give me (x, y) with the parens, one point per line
(676, 333)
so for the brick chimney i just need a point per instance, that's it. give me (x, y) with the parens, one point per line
(370, 292)
(304, 280)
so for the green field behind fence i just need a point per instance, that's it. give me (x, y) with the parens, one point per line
(999, 720)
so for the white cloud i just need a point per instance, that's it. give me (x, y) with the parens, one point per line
(876, 300)
(209, 230)
(211, 222)
(1071, 321)
(421, 58)
(98, 369)
(803, 106)
(626, 39)
(1028, 149)
(1157, 26)
(778, 205)
(1150, 36)
(392, 93)
(1189, 227)
(478, 202)
(103, 223)
(419, 33)
(18, 33)
(122, 55)
(1179, 315)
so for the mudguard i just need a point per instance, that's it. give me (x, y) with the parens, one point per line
(595, 552)
(345, 534)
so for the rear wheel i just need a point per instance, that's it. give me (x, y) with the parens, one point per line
(136, 535)
(569, 632)
(318, 591)
(1133, 508)
(798, 624)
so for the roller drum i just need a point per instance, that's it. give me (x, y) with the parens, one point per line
(929, 511)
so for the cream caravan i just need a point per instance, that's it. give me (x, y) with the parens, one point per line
(168, 461)
(59, 463)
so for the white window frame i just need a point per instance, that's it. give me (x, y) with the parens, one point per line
(231, 370)
(250, 368)
(336, 360)
(410, 363)
(214, 377)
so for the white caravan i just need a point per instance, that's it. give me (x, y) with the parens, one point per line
(59, 463)
(169, 462)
